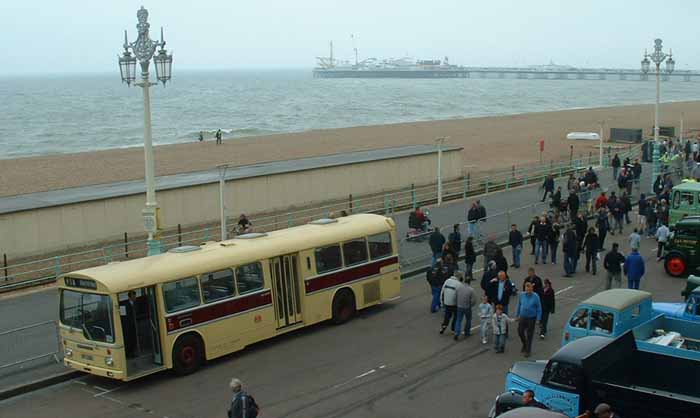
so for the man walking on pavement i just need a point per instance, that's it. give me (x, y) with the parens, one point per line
(500, 290)
(634, 269)
(570, 248)
(515, 239)
(437, 241)
(661, 237)
(535, 280)
(473, 221)
(448, 297)
(242, 405)
(542, 232)
(529, 311)
(548, 186)
(465, 301)
(436, 278)
(613, 266)
(635, 239)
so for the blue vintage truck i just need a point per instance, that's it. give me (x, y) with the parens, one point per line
(591, 370)
(671, 329)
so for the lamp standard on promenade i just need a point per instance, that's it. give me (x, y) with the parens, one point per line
(657, 57)
(144, 49)
(440, 142)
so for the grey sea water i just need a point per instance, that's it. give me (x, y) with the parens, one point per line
(71, 113)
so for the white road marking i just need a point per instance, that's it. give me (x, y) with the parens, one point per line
(563, 290)
(365, 374)
(105, 391)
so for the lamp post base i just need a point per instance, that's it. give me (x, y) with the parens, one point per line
(154, 247)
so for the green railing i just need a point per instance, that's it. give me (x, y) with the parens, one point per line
(45, 270)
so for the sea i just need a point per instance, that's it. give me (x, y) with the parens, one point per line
(55, 114)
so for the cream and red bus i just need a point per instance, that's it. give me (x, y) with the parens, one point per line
(176, 310)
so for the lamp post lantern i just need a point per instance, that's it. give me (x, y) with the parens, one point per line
(144, 49)
(657, 57)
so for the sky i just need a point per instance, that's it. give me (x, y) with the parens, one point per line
(76, 36)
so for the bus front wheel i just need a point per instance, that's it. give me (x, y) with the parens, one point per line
(187, 354)
(343, 306)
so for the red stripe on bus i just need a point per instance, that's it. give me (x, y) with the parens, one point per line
(211, 312)
(349, 275)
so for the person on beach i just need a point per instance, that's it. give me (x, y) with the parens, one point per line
(548, 300)
(218, 137)
(499, 326)
(201, 136)
(485, 316)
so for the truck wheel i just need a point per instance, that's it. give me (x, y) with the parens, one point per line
(187, 354)
(675, 265)
(343, 306)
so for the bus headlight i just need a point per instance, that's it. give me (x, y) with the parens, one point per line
(68, 352)
(109, 361)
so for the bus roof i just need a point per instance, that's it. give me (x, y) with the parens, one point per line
(147, 271)
(693, 186)
(618, 299)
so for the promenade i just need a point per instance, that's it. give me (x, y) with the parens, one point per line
(517, 205)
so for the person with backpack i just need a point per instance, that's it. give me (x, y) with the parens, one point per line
(242, 405)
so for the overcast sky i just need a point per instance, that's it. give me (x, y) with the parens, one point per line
(85, 36)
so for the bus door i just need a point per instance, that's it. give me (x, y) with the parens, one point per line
(285, 287)
(138, 311)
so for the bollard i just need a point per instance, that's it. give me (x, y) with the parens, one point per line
(57, 266)
(4, 262)
(179, 235)
(126, 245)
(206, 234)
(386, 205)
(486, 185)
(525, 179)
(413, 196)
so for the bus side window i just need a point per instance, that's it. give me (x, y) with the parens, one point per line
(249, 278)
(328, 258)
(355, 252)
(379, 245)
(181, 294)
(217, 285)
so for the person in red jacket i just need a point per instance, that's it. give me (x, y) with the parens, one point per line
(601, 201)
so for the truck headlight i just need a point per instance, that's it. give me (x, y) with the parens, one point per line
(68, 352)
(109, 361)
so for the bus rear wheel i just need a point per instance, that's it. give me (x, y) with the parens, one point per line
(187, 354)
(675, 265)
(343, 306)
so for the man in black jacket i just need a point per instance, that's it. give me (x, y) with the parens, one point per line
(515, 239)
(573, 203)
(571, 251)
(242, 405)
(542, 232)
(536, 281)
(473, 221)
(500, 290)
(581, 224)
(613, 266)
(437, 241)
(436, 277)
(548, 186)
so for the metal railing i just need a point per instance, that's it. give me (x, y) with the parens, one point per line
(28, 344)
(45, 270)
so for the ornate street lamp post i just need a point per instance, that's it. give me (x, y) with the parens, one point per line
(144, 48)
(657, 57)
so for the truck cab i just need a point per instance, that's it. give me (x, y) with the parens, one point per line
(685, 201)
(596, 369)
(608, 314)
(690, 310)
(682, 251)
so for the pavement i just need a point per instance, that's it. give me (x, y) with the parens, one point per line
(42, 305)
